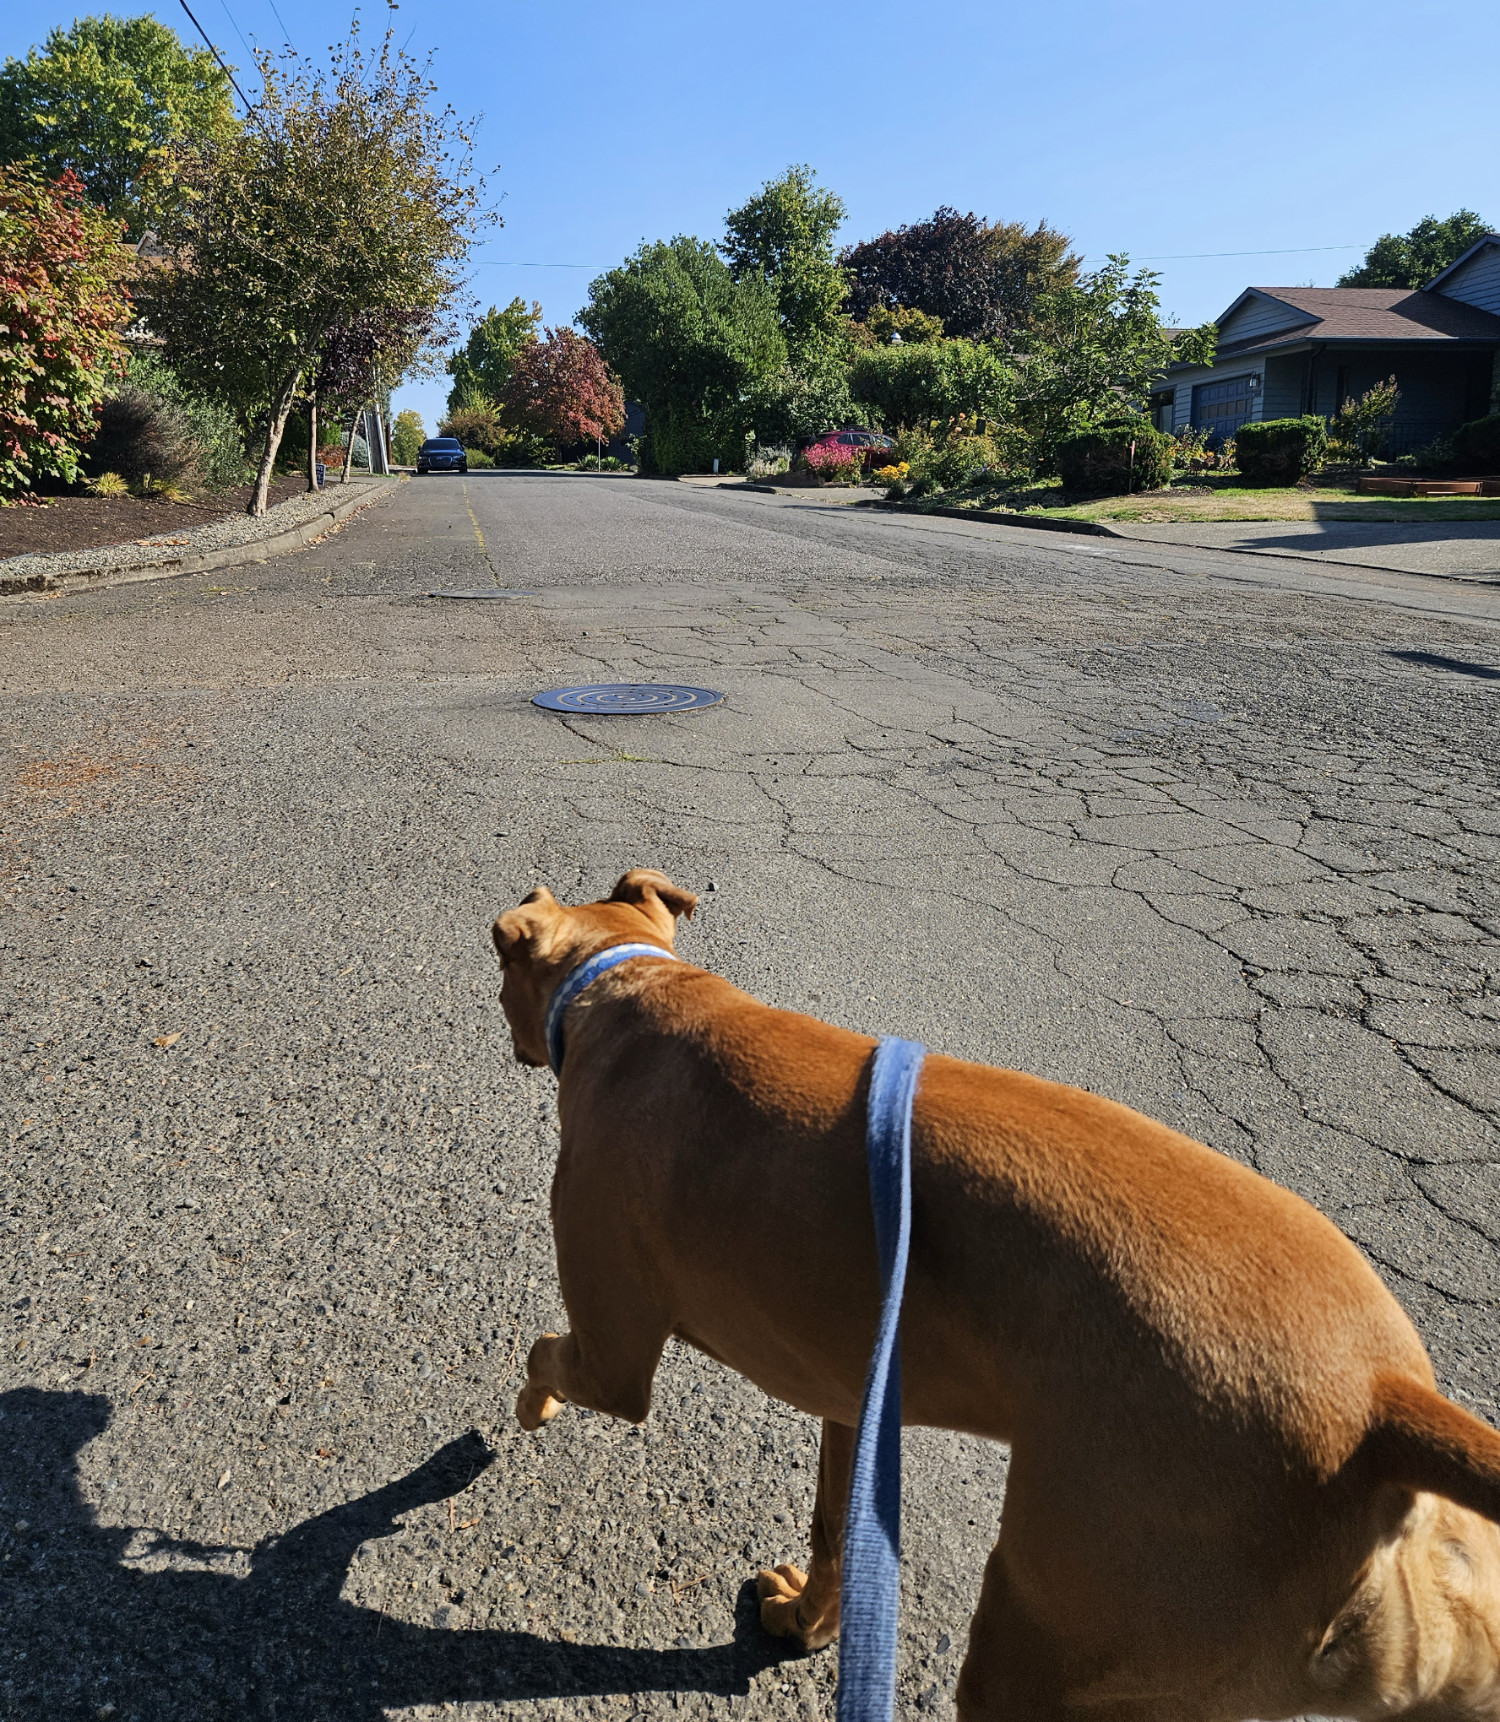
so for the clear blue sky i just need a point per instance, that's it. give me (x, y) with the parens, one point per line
(1164, 132)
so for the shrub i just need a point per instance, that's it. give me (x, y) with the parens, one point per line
(62, 306)
(107, 484)
(1476, 445)
(1280, 451)
(894, 478)
(522, 448)
(1361, 429)
(477, 457)
(768, 461)
(219, 449)
(835, 463)
(1126, 455)
(475, 426)
(142, 437)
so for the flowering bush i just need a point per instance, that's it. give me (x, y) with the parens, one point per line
(835, 463)
(62, 307)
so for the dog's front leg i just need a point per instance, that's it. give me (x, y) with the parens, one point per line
(806, 1606)
(607, 1363)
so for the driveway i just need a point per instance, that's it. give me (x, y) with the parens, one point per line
(1213, 834)
(1456, 549)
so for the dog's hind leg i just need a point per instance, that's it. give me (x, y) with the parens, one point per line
(806, 1606)
(606, 1363)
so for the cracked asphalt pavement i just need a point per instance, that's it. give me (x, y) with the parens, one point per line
(1211, 834)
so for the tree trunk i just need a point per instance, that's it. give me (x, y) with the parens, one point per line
(312, 438)
(349, 452)
(385, 453)
(275, 430)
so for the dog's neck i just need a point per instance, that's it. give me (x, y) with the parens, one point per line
(584, 975)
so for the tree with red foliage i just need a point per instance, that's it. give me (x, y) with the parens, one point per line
(561, 389)
(63, 305)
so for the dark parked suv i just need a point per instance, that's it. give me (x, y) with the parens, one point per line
(442, 454)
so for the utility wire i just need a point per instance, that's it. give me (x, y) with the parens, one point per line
(249, 51)
(1288, 251)
(285, 37)
(217, 55)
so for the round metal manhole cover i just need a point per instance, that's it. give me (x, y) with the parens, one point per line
(621, 699)
(483, 592)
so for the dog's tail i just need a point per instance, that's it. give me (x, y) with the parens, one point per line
(1419, 1439)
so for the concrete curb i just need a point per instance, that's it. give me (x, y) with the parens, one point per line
(993, 517)
(204, 561)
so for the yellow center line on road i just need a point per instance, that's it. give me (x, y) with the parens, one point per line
(474, 519)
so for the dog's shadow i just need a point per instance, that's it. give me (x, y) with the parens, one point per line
(90, 1634)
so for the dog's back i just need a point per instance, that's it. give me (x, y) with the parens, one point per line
(1234, 1489)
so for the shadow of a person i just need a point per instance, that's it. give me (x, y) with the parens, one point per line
(86, 1634)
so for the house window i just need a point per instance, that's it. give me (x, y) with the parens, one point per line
(1164, 410)
(1220, 408)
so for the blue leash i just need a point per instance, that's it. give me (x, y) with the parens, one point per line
(872, 1528)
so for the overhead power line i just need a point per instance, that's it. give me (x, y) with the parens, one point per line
(1286, 251)
(216, 54)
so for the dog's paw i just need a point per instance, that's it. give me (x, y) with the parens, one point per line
(781, 1611)
(534, 1406)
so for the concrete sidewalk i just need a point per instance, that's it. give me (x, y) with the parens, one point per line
(1451, 549)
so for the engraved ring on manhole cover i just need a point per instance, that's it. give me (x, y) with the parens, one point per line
(618, 699)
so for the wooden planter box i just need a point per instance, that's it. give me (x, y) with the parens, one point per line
(1430, 486)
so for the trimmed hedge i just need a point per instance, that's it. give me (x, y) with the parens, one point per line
(1280, 451)
(1100, 461)
(1476, 447)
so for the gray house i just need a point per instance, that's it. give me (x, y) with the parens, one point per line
(1284, 351)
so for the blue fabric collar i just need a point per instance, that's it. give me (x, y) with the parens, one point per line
(585, 975)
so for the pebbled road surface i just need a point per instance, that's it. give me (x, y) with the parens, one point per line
(1214, 835)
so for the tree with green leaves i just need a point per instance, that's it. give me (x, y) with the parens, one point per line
(407, 435)
(1095, 350)
(1412, 259)
(63, 305)
(690, 343)
(111, 99)
(907, 387)
(785, 236)
(346, 197)
(483, 365)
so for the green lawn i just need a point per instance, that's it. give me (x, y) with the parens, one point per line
(1209, 497)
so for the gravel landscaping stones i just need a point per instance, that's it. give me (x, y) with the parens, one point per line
(214, 544)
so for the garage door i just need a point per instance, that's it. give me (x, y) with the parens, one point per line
(1221, 408)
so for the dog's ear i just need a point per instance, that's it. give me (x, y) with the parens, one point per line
(525, 932)
(655, 896)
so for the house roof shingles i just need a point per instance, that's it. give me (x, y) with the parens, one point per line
(1372, 314)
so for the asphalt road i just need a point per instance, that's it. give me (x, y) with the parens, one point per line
(1214, 835)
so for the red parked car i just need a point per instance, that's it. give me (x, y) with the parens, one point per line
(875, 449)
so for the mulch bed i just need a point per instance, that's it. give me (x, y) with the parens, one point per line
(80, 522)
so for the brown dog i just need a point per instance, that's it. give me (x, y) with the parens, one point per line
(1234, 1490)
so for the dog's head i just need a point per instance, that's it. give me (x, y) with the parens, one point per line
(539, 942)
